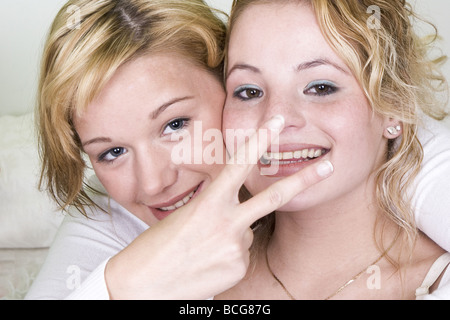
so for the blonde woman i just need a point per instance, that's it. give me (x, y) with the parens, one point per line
(123, 86)
(352, 94)
(118, 85)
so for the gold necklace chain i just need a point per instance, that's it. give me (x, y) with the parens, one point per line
(356, 277)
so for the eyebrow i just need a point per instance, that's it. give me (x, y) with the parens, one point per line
(317, 63)
(243, 66)
(301, 67)
(97, 140)
(153, 116)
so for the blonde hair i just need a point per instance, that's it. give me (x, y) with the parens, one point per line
(81, 56)
(400, 81)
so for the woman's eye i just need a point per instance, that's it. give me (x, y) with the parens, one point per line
(248, 92)
(112, 154)
(321, 88)
(175, 125)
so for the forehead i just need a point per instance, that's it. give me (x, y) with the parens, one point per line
(148, 82)
(143, 86)
(285, 31)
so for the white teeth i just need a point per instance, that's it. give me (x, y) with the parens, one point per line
(318, 153)
(305, 154)
(288, 155)
(180, 203)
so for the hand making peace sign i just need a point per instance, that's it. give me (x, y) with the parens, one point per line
(202, 249)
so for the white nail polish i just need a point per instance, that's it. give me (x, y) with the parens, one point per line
(276, 122)
(325, 168)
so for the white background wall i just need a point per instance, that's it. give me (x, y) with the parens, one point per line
(24, 24)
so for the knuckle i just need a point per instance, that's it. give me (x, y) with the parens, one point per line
(275, 197)
(242, 272)
(240, 266)
(307, 179)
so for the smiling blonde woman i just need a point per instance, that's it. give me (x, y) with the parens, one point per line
(356, 95)
(116, 86)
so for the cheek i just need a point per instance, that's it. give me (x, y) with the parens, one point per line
(229, 119)
(238, 125)
(207, 155)
(118, 185)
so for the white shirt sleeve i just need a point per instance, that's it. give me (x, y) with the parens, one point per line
(75, 265)
(443, 291)
(81, 249)
(94, 287)
(431, 198)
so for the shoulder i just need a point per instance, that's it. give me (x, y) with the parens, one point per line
(108, 224)
(429, 192)
(428, 264)
(436, 285)
(433, 133)
(109, 219)
(82, 244)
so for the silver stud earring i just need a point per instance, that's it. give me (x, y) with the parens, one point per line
(394, 130)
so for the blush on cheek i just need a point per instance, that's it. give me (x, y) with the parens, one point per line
(115, 187)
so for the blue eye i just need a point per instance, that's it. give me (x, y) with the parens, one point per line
(175, 125)
(320, 88)
(248, 92)
(112, 154)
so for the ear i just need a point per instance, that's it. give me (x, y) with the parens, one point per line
(394, 129)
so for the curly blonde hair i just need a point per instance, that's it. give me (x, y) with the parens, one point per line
(81, 56)
(399, 79)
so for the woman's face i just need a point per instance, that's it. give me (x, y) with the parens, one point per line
(144, 134)
(280, 63)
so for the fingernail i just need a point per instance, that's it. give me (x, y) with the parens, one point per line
(325, 168)
(276, 122)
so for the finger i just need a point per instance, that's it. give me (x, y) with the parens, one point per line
(249, 153)
(248, 238)
(283, 191)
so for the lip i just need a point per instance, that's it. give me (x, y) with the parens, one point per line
(283, 169)
(161, 215)
(294, 147)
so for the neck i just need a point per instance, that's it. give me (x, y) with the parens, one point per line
(329, 236)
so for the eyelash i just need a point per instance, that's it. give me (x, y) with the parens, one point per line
(330, 88)
(184, 123)
(102, 157)
(247, 88)
(119, 151)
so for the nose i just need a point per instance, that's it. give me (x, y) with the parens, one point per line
(154, 173)
(289, 107)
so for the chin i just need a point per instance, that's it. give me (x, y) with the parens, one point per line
(295, 206)
(306, 200)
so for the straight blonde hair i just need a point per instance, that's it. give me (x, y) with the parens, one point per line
(88, 41)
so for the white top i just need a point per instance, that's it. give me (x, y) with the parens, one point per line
(431, 200)
(436, 270)
(75, 265)
(76, 262)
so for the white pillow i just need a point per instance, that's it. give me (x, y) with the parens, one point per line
(28, 218)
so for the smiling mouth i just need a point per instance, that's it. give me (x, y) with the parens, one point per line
(292, 157)
(181, 202)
